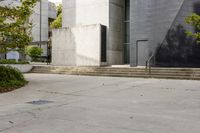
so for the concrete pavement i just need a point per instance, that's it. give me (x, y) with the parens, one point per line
(79, 104)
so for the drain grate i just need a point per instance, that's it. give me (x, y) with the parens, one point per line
(40, 102)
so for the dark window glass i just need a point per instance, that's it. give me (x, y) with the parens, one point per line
(127, 32)
(103, 43)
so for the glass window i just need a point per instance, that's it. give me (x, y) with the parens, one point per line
(127, 32)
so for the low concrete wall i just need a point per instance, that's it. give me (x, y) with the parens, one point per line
(24, 68)
(78, 46)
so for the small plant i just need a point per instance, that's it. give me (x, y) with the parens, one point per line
(10, 79)
(194, 20)
(57, 23)
(34, 52)
(13, 62)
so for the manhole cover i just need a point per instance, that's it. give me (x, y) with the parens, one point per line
(39, 102)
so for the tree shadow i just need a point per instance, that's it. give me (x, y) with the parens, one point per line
(178, 50)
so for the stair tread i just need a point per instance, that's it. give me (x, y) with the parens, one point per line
(173, 73)
(120, 72)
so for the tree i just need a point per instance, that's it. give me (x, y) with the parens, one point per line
(194, 20)
(15, 28)
(57, 23)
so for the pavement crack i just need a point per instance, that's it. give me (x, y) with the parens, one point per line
(33, 114)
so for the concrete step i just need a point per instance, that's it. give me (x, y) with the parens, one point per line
(171, 73)
(131, 75)
(153, 71)
(120, 69)
(142, 76)
(120, 72)
(125, 73)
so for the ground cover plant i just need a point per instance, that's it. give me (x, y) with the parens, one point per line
(10, 79)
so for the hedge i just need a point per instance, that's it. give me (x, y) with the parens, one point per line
(10, 79)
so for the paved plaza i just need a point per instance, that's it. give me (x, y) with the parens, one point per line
(81, 104)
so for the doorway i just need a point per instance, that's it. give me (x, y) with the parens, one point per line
(142, 52)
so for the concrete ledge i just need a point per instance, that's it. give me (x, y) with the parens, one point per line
(24, 68)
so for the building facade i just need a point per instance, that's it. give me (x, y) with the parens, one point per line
(48, 14)
(40, 32)
(115, 32)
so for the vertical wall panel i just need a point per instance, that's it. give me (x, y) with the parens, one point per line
(151, 19)
(178, 49)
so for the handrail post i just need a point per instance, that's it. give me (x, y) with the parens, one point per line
(146, 68)
(148, 64)
(150, 70)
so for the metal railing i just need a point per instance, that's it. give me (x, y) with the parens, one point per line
(149, 64)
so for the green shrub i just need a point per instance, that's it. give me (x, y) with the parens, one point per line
(34, 52)
(10, 79)
(13, 62)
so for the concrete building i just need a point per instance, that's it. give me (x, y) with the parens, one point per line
(48, 14)
(40, 33)
(92, 34)
(115, 32)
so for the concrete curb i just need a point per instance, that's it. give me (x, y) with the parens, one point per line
(24, 68)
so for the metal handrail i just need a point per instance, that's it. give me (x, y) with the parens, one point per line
(149, 64)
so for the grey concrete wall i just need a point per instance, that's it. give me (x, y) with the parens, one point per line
(116, 31)
(48, 11)
(35, 19)
(85, 12)
(52, 13)
(10, 3)
(105, 12)
(63, 48)
(178, 49)
(150, 19)
(78, 46)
